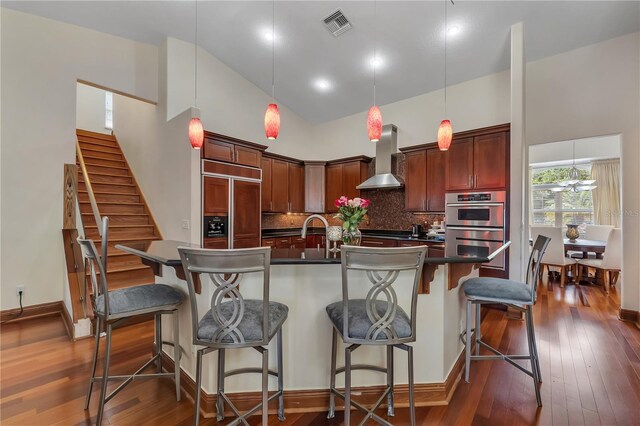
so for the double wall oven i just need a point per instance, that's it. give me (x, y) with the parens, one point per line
(476, 225)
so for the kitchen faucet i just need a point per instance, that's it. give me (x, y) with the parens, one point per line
(326, 226)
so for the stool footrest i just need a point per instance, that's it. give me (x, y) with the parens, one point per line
(370, 413)
(242, 416)
(248, 370)
(363, 367)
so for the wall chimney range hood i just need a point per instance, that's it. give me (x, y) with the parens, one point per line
(385, 148)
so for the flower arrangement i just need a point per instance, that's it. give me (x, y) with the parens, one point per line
(351, 212)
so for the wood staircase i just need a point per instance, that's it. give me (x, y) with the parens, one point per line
(118, 196)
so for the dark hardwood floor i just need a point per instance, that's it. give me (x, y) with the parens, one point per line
(590, 365)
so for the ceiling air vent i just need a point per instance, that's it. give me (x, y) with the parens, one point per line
(337, 23)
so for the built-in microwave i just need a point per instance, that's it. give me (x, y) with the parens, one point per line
(483, 209)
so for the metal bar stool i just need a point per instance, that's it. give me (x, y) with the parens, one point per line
(376, 320)
(235, 322)
(112, 307)
(517, 295)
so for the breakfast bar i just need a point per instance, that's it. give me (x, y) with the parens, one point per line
(307, 280)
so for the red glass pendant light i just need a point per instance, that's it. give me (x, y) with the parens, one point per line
(374, 123)
(196, 133)
(272, 121)
(445, 134)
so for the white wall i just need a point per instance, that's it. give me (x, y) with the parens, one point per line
(472, 104)
(91, 109)
(41, 62)
(588, 92)
(229, 103)
(597, 148)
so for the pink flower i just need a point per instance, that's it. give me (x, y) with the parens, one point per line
(364, 203)
(342, 201)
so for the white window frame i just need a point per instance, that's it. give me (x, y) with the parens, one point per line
(108, 110)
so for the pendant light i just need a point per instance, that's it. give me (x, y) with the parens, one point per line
(574, 183)
(374, 116)
(196, 131)
(272, 116)
(445, 131)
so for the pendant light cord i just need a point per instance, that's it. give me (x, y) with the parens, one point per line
(273, 50)
(375, 43)
(446, 30)
(195, 73)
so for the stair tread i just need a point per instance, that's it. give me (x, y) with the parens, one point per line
(85, 156)
(114, 202)
(110, 183)
(121, 214)
(99, 142)
(102, 165)
(123, 268)
(84, 191)
(106, 174)
(89, 133)
(112, 226)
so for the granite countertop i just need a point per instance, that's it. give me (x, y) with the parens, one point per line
(374, 233)
(166, 252)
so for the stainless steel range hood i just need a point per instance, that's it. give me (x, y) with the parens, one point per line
(385, 147)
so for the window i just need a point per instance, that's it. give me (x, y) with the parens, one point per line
(108, 110)
(559, 208)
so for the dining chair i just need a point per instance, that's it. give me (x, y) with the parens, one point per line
(611, 263)
(114, 307)
(233, 322)
(379, 319)
(554, 255)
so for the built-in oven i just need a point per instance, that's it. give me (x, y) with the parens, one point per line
(484, 209)
(475, 241)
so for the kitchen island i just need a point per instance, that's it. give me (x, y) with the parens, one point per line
(307, 280)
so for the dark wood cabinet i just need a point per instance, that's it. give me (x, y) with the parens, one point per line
(424, 180)
(459, 168)
(298, 242)
(314, 186)
(283, 242)
(378, 242)
(215, 243)
(268, 242)
(489, 158)
(265, 165)
(216, 196)
(296, 188)
(279, 191)
(316, 241)
(231, 150)
(283, 184)
(479, 160)
(246, 219)
(436, 165)
(342, 177)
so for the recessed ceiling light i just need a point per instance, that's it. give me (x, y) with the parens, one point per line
(453, 30)
(268, 35)
(322, 84)
(376, 62)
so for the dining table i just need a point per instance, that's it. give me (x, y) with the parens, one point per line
(585, 246)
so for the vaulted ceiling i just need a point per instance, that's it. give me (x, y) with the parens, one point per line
(408, 36)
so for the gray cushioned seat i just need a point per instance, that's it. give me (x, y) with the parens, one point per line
(251, 324)
(497, 289)
(359, 321)
(140, 298)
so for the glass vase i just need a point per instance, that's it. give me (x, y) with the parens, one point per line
(352, 236)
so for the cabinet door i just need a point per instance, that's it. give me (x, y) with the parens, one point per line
(283, 242)
(246, 214)
(351, 177)
(296, 188)
(415, 181)
(435, 180)
(279, 186)
(265, 165)
(216, 196)
(378, 242)
(314, 188)
(298, 242)
(333, 186)
(459, 167)
(215, 243)
(490, 161)
(247, 156)
(410, 243)
(217, 150)
(268, 242)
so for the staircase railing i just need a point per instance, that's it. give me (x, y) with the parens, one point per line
(87, 183)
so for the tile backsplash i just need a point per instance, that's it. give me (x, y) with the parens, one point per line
(385, 212)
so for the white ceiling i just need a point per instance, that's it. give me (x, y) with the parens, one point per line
(409, 39)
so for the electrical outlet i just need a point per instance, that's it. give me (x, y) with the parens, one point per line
(185, 224)
(19, 288)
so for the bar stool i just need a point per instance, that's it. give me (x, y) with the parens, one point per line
(112, 307)
(235, 322)
(517, 295)
(374, 321)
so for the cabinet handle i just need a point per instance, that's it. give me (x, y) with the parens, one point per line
(476, 185)
(427, 204)
(424, 205)
(270, 205)
(470, 181)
